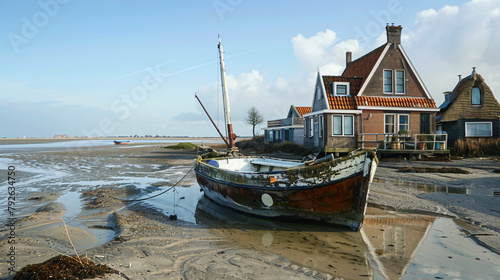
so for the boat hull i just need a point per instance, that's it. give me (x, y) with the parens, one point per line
(339, 199)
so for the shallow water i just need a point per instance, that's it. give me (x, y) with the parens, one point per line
(390, 245)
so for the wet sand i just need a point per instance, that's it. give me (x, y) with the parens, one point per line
(208, 242)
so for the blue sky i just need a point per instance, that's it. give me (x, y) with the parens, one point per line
(132, 67)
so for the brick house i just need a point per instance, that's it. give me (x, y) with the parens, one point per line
(470, 110)
(290, 129)
(380, 92)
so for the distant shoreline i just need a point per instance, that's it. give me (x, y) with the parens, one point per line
(13, 141)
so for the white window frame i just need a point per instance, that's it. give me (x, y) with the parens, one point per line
(395, 123)
(399, 124)
(346, 84)
(491, 129)
(392, 81)
(311, 126)
(396, 82)
(342, 125)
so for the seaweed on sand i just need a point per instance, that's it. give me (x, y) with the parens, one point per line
(65, 267)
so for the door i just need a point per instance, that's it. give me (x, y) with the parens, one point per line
(425, 123)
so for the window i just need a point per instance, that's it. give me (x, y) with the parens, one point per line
(343, 125)
(319, 96)
(337, 125)
(388, 81)
(320, 126)
(478, 129)
(404, 123)
(311, 127)
(400, 81)
(389, 123)
(476, 96)
(348, 125)
(340, 88)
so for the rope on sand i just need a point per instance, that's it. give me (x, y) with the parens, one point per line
(141, 199)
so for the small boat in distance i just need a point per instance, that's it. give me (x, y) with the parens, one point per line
(326, 190)
(121, 142)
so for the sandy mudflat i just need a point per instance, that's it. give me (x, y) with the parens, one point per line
(146, 244)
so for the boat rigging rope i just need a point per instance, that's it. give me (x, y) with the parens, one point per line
(172, 187)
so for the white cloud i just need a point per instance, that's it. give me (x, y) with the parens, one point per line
(450, 41)
(324, 50)
(426, 14)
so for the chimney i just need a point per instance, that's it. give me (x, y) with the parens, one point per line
(348, 58)
(394, 34)
(474, 74)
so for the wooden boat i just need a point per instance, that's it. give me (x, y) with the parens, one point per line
(332, 191)
(329, 190)
(121, 142)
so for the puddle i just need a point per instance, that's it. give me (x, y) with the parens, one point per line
(328, 249)
(446, 253)
(73, 205)
(186, 199)
(414, 246)
(423, 188)
(390, 245)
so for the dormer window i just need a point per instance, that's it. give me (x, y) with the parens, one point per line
(340, 88)
(476, 96)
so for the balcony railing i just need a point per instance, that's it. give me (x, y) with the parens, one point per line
(389, 141)
(286, 122)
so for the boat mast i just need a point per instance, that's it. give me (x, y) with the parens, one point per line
(230, 135)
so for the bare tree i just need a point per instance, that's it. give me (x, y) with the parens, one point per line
(254, 118)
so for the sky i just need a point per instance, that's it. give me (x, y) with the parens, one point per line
(120, 68)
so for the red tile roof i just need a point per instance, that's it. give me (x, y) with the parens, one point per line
(354, 83)
(362, 66)
(341, 102)
(352, 103)
(406, 102)
(303, 110)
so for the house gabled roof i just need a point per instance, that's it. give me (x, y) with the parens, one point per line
(446, 104)
(457, 104)
(362, 67)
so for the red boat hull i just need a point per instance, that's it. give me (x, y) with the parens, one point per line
(341, 202)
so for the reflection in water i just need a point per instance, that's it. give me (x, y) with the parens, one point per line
(413, 246)
(390, 245)
(393, 240)
(325, 248)
(424, 188)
